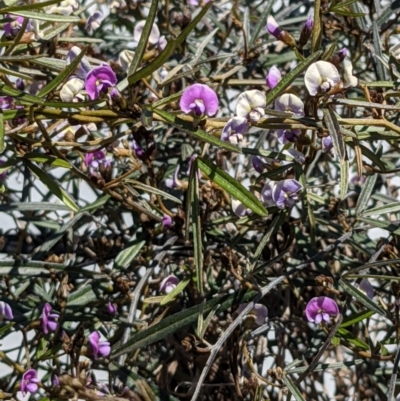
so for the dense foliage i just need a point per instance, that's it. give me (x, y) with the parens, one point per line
(200, 201)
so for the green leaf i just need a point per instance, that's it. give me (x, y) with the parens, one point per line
(352, 339)
(176, 291)
(194, 210)
(392, 227)
(230, 185)
(62, 76)
(197, 133)
(1, 132)
(18, 95)
(388, 208)
(261, 23)
(316, 37)
(82, 296)
(365, 194)
(290, 77)
(45, 17)
(126, 256)
(361, 297)
(47, 159)
(344, 178)
(53, 187)
(356, 318)
(178, 321)
(335, 131)
(141, 47)
(33, 206)
(293, 388)
(169, 49)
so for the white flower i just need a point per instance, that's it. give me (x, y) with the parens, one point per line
(321, 77)
(125, 59)
(290, 103)
(71, 89)
(295, 155)
(348, 78)
(251, 104)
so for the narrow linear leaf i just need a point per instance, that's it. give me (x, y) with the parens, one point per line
(126, 256)
(201, 47)
(289, 78)
(47, 159)
(1, 132)
(32, 206)
(82, 296)
(169, 49)
(194, 210)
(389, 208)
(391, 226)
(141, 47)
(260, 23)
(172, 324)
(361, 297)
(335, 132)
(365, 194)
(352, 339)
(293, 388)
(344, 178)
(316, 37)
(356, 318)
(18, 95)
(380, 68)
(230, 185)
(54, 188)
(45, 17)
(199, 134)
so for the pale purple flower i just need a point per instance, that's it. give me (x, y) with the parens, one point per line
(93, 22)
(12, 28)
(111, 308)
(99, 348)
(273, 27)
(174, 182)
(287, 135)
(234, 130)
(319, 309)
(290, 103)
(327, 144)
(199, 99)
(309, 23)
(258, 164)
(5, 311)
(251, 105)
(166, 221)
(282, 194)
(273, 77)
(95, 160)
(239, 209)
(169, 284)
(29, 382)
(259, 310)
(99, 80)
(297, 156)
(71, 90)
(154, 39)
(56, 381)
(49, 320)
(321, 77)
(196, 2)
(6, 102)
(366, 287)
(137, 148)
(83, 68)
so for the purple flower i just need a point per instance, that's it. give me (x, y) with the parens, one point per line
(93, 22)
(273, 27)
(166, 221)
(306, 31)
(239, 209)
(99, 348)
(273, 77)
(169, 284)
(327, 144)
(99, 80)
(199, 99)
(290, 103)
(111, 309)
(174, 182)
(5, 311)
(259, 310)
(83, 68)
(319, 309)
(95, 160)
(366, 287)
(297, 156)
(49, 322)
(6, 102)
(283, 193)
(154, 39)
(258, 164)
(12, 28)
(29, 382)
(234, 130)
(137, 148)
(309, 23)
(287, 135)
